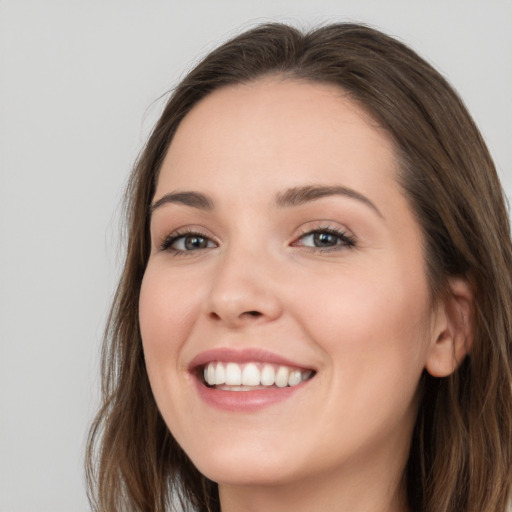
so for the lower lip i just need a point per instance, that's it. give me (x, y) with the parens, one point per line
(245, 401)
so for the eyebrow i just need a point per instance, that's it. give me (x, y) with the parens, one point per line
(299, 195)
(193, 199)
(291, 197)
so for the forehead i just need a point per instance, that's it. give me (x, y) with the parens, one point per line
(278, 132)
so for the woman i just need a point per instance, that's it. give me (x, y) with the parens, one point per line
(314, 309)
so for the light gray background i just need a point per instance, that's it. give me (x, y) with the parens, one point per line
(78, 80)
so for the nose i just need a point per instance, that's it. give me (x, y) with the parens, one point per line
(243, 291)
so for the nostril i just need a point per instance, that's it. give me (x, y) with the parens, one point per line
(254, 314)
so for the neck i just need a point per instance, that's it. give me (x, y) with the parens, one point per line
(375, 490)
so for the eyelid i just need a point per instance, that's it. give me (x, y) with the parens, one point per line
(183, 232)
(348, 239)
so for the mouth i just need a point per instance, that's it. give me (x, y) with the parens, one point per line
(248, 380)
(251, 376)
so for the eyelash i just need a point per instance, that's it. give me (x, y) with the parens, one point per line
(174, 237)
(346, 241)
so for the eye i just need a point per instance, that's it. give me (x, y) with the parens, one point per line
(326, 239)
(186, 242)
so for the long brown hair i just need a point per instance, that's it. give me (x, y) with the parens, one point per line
(461, 451)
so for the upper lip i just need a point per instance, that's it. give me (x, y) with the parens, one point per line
(246, 355)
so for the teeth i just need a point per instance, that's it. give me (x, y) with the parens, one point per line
(250, 375)
(307, 374)
(210, 374)
(235, 377)
(294, 378)
(233, 374)
(282, 377)
(220, 374)
(268, 375)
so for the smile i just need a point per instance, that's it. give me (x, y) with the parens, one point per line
(250, 376)
(265, 378)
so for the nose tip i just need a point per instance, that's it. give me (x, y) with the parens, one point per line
(238, 299)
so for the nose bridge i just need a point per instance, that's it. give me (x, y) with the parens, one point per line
(242, 290)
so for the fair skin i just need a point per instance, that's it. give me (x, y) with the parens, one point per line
(290, 239)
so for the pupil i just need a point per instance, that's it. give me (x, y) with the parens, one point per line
(324, 239)
(195, 242)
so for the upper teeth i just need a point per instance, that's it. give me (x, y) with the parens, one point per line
(253, 374)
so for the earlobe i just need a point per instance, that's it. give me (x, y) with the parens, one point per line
(453, 330)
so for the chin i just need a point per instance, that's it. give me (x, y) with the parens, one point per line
(245, 467)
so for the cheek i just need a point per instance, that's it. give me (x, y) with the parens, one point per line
(165, 313)
(374, 327)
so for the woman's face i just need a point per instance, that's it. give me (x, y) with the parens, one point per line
(283, 250)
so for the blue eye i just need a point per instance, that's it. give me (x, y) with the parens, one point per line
(326, 239)
(186, 242)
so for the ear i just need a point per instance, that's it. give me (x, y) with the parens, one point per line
(452, 336)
